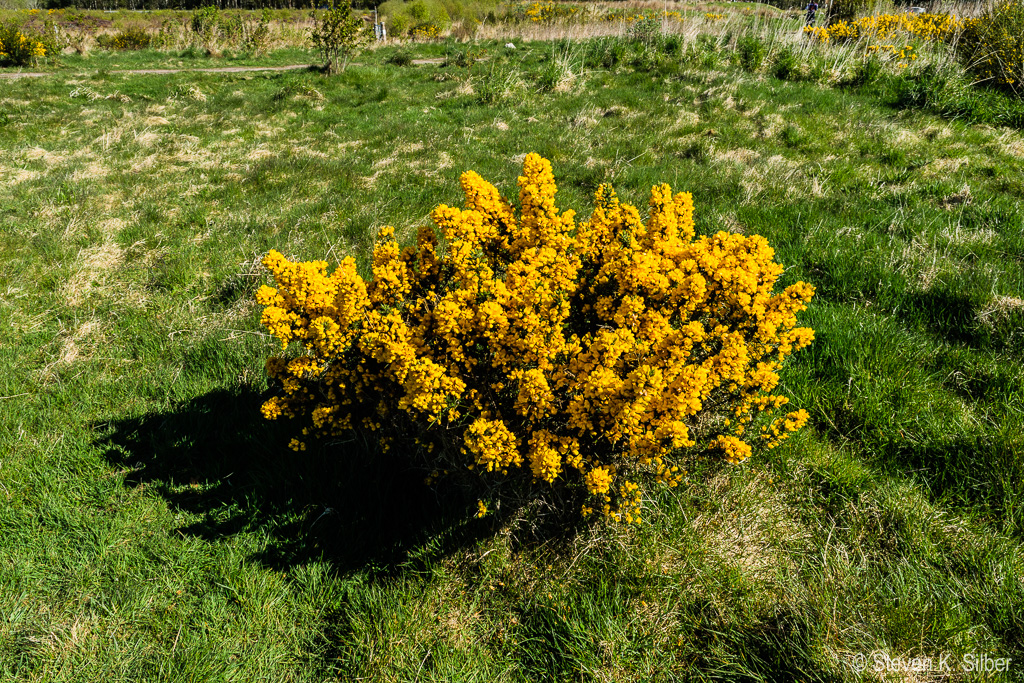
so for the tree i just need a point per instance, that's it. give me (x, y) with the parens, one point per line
(337, 34)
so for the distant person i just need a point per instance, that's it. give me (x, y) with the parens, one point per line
(812, 9)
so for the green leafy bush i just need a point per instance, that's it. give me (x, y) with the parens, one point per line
(256, 34)
(204, 24)
(337, 34)
(865, 73)
(426, 31)
(787, 65)
(752, 52)
(399, 24)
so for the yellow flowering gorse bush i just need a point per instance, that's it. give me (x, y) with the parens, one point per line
(992, 45)
(546, 12)
(534, 349)
(936, 27)
(17, 48)
(426, 31)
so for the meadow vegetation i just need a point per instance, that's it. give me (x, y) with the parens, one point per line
(154, 525)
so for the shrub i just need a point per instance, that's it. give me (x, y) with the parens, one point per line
(606, 53)
(543, 12)
(463, 58)
(672, 45)
(255, 34)
(787, 65)
(337, 35)
(751, 51)
(419, 11)
(231, 28)
(558, 74)
(17, 48)
(131, 38)
(992, 46)
(704, 52)
(425, 31)
(644, 30)
(576, 361)
(849, 10)
(864, 73)
(937, 27)
(398, 25)
(204, 24)
(400, 58)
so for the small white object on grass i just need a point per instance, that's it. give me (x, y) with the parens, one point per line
(510, 46)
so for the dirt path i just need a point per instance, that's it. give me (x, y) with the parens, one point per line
(218, 70)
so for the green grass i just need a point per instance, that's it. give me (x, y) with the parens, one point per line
(191, 58)
(154, 527)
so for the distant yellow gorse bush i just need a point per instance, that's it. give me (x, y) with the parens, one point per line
(588, 357)
(884, 26)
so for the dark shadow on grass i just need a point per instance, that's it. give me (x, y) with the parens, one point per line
(215, 457)
(959, 317)
(983, 472)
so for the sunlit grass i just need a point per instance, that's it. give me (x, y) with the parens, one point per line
(154, 526)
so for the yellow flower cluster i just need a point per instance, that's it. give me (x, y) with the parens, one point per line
(584, 355)
(20, 48)
(425, 31)
(713, 16)
(547, 12)
(903, 55)
(630, 16)
(883, 26)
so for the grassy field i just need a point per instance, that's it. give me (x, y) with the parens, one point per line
(154, 527)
